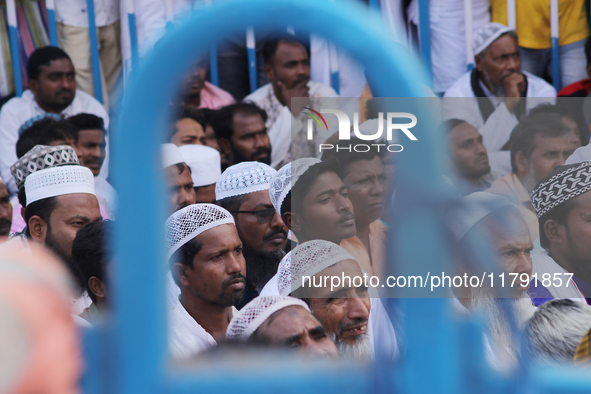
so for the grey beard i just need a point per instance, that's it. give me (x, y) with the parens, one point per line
(359, 351)
(497, 90)
(260, 267)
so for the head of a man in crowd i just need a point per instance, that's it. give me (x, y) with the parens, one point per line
(497, 55)
(5, 211)
(571, 119)
(210, 138)
(60, 201)
(279, 321)
(206, 258)
(205, 166)
(49, 129)
(364, 175)
(89, 140)
(52, 78)
(178, 178)
(195, 82)
(342, 306)
(241, 133)
(563, 206)
(91, 254)
(313, 201)
(287, 63)
(259, 225)
(539, 143)
(188, 127)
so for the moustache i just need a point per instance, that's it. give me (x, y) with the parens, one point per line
(63, 91)
(343, 326)
(274, 233)
(346, 217)
(226, 283)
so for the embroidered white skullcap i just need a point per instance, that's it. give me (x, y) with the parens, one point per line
(244, 178)
(256, 312)
(204, 162)
(307, 259)
(286, 177)
(486, 35)
(58, 181)
(41, 157)
(171, 155)
(474, 208)
(187, 223)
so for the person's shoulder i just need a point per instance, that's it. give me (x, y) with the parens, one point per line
(537, 87)
(576, 89)
(461, 88)
(259, 94)
(16, 103)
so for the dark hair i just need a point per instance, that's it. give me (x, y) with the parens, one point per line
(524, 134)
(208, 115)
(345, 158)
(43, 132)
(42, 208)
(448, 125)
(588, 50)
(565, 110)
(91, 253)
(86, 122)
(185, 255)
(232, 204)
(223, 120)
(43, 57)
(306, 181)
(182, 112)
(270, 46)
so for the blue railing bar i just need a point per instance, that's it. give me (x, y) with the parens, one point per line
(213, 59)
(94, 52)
(14, 49)
(252, 58)
(554, 33)
(469, 29)
(50, 4)
(333, 61)
(425, 39)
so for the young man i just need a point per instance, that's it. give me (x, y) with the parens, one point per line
(178, 175)
(206, 169)
(189, 126)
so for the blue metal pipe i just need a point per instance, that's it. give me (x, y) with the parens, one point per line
(94, 52)
(425, 39)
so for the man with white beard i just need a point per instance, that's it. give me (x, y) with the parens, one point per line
(495, 218)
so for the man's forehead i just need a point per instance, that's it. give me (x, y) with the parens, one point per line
(78, 204)
(290, 320)
(222, 234)
(324, 182)
(260, 197)
(464, 131)
(246, 120)
(289, 51)
(57, 65)
(503, 44)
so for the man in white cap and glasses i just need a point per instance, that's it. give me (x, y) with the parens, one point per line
(281, 321)
(206, 262)
(206, 169)
(243, 190)
(500, 92)
(178, 177)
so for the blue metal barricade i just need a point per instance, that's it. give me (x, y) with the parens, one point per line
(14, 47)
(94, 52)
(50, 4)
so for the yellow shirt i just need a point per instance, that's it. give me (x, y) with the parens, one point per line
(533, 21)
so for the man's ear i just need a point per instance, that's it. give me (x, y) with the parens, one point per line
(38, 229)
(554, 231)
(521, 164)
(179, 272)
(97, 287)
(33, 85)
(296, 222)
(287, 219)
(269, 72)
(479, 62)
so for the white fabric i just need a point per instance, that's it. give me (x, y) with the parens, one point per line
(187, 223)
(58, 181)
(543, 263)
(381, 331)
(171, 155)
(75, 13)
(580, 155)
(105, 192)
(81, 303)
(204, 162)
(286, 177)
(486, 35)
(20, 109)
(244, 178)
(254, 314)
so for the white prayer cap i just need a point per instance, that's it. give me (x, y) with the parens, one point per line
(286, 178)
(486, 35)
(244, 178)
(171, 155)
(58, 181)
(308, 259)
(204, 162)
(256, 312)
(187, 223)
(474, 208)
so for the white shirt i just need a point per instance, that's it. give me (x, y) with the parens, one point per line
(106, 194)
(20, 109)
(74, 12)
(581, 154)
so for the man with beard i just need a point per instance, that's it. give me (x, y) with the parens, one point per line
(241, 133)
(5, 212)
(206, 262)
(178, 176)
(538, 144)
(206, 169)
(52, 89)
(243, 190)
(497, 92)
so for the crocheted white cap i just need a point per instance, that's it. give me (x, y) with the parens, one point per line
(204, 162)
(486, 35)
(254, 314)
(58, 181)
(307, 259)
(187, 223)
(171, 155)
(243, 178)
(286, 177)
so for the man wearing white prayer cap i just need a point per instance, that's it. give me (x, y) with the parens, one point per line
(282, 321)
(243, 190)
(178, 176)
(206, 262)
(206, 169)
(5, 211)
(499, 91)
(313, 201)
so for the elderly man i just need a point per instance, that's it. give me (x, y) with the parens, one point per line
(538, 144)
(497, 91)
(178, 175)
(243, 190)
(206, 262)
(313, 201)
(206, 169)
(5, 212)
(52, 88)
(282, 321)
(562, 204)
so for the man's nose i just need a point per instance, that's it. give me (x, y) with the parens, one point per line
(358, 308)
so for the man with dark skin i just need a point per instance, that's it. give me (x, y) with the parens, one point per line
(89, 140)
(178, 177)
(5, 211)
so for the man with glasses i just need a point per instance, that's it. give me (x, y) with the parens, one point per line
(243, 190)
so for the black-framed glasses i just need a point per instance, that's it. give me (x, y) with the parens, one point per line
(263, 215)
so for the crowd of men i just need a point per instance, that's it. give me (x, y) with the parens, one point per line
(258, 218)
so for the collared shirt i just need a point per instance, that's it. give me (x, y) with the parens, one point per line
(377, 237)
(20, 109)
(75, 13)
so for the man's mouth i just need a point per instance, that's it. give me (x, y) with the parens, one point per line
(236, 284)
(347, 220)
(355, 330)
(277, 239)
